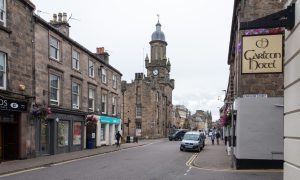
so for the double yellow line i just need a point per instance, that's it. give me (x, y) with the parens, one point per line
(190, 164)
(190, 161)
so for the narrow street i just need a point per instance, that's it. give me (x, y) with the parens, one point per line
(155, 161)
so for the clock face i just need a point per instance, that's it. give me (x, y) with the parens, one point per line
(155, 72)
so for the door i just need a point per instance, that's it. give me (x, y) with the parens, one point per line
(10, 141)
(1, 143)
(45, 137)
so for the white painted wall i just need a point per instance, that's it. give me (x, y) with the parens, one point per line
(110, 131)
(292, 99)
(259, 128)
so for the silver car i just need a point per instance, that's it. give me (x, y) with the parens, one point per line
(193, 141)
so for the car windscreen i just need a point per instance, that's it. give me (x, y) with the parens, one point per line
(193, 137)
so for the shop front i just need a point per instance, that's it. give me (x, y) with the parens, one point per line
(13, 125)
(106, 130)
(60, 132)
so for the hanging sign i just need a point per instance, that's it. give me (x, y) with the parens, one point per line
(262, 54)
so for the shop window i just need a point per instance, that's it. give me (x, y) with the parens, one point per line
(91, 100)
(102, 135)
(63, 133)
(54, 89)
(2, 70)
(91, 66)
(76, 133)
(75, 60)
(54, 48)
(75, 95)
(2, 12)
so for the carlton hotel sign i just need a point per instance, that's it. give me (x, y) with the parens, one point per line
(262, 54)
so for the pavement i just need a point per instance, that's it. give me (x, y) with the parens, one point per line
(212, 157)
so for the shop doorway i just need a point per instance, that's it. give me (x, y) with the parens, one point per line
(91, 135)
(1, 143)
(10, 143)
(45, 129)
(9, 136)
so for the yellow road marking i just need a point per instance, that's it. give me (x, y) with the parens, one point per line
(190, 164)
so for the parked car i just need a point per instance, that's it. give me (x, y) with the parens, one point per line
(177, 135)
(193, 141)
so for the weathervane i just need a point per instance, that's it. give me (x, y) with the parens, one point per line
(158, 17)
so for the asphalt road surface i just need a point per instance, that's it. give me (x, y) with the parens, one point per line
(157, 161)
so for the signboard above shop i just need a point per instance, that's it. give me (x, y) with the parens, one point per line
(12, 105)
(109, 120)
(262, 54)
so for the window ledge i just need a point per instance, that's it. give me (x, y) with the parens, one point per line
(76, 70)
(3, 28)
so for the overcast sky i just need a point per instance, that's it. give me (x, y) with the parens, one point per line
(197, 33)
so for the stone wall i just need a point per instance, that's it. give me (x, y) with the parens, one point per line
(46, 65)
(270, 84)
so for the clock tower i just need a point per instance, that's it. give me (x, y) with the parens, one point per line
(148, 103)
(158, 65)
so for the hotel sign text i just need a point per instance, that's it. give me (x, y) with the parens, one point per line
(262, 54)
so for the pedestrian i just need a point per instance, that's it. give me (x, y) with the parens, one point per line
(213, 136)
(218, 135)
(118, 137)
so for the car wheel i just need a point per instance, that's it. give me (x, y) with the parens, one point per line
(199, 149)
(181, 149)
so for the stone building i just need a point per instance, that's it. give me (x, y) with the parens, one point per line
(16, 83)
(200, 120)
(78, 86)
(148, 98)
(182, 117)
(254, 96)
(292, 99)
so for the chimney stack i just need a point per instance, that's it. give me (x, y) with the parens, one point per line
(100, 52)
(60, 24)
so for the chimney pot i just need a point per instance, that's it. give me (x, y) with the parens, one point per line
(100, 50)
(54, 17)
(64, 17)
(59, 17)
